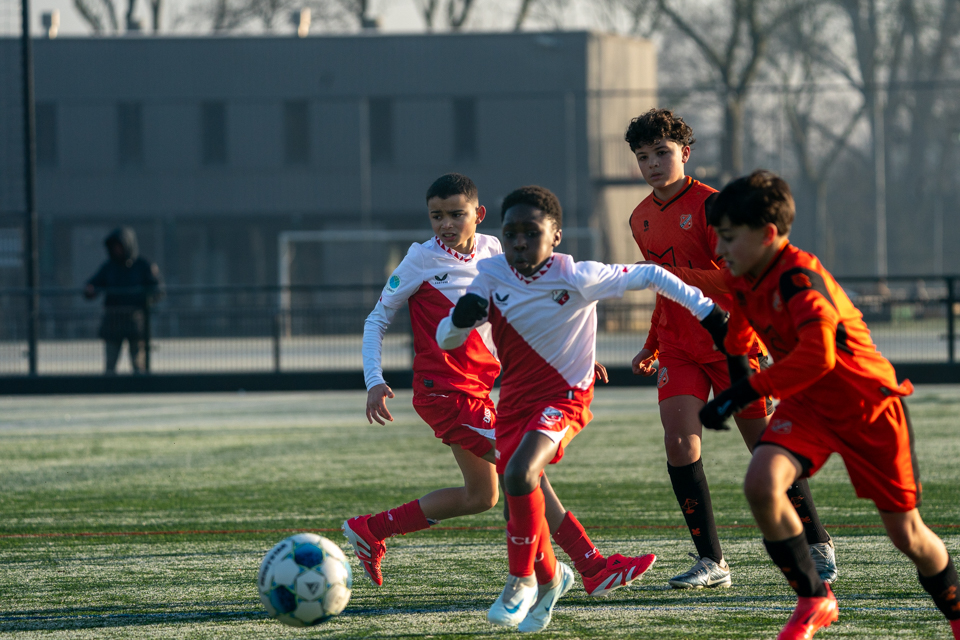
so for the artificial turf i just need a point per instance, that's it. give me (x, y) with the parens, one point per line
(147, 517)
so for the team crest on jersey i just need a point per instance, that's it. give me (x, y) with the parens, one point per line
(550, 416)
(662, 378)
(393, 283)
(781, 426)
(777, 301)
(442, 278)
(501, 301)
(560, 296)
(686, 221)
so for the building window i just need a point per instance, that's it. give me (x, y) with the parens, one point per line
(381, 130)
(465, 138)
(296, 132)
(129, 134)
(213, 133)
(46, 141)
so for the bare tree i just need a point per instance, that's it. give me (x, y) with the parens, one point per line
(100, 15)
(735, 58)
(457, 13)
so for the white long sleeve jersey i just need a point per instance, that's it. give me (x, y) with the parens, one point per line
(545, 326)
(430, 279)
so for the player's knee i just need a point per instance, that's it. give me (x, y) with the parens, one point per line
(757, 492)
(482, 500)
(680, 451)
(519, 481)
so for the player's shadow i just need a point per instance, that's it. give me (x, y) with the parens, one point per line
(74, 618)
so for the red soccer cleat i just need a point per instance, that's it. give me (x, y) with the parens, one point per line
(368, 549)
(619, 572)
(811, 615)
(955, 626)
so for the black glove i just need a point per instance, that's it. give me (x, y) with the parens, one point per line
(470, 309)
(739, 368)
(714, 415)
(716, 324)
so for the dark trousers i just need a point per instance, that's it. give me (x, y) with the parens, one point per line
(138, 354)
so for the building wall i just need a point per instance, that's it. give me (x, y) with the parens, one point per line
(210, 147)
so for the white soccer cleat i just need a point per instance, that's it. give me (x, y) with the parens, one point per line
(542, 610)
(705, 573)
(825, 558)
(514, 603)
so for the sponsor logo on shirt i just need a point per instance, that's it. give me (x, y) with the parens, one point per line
(781, 426)
(662, 378)
(442, 278)
(560, 296)
(501, 301)
(393, 283)
(550, 416)
(686, 221)
(646, 225)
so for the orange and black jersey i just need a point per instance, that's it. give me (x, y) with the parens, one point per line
(674, 233)
(821, 346)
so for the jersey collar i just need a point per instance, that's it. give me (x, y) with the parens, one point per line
(456, 254)
(527, 280)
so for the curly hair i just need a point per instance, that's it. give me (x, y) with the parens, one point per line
(452, 184)
(656, 125)
(538, 198)
(755, 200)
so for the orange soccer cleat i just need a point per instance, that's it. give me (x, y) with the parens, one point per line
(369, 550)
(811, 615)
(619, 572)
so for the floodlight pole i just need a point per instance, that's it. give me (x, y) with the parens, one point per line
(31, 254)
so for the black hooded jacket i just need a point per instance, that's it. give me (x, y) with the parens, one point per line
(130, 282)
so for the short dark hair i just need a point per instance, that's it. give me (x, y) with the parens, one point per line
(538, 198)
(452, 184)
(755, 200)
(656, 125)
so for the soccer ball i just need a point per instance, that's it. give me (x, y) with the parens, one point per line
(304, 580)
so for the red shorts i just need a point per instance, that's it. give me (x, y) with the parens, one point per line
(878, 454)
(682, 377)
(459, 419)
(559, 418)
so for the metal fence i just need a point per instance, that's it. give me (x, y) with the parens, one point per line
(319, 328)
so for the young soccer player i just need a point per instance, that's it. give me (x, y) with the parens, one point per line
(452, 392)
(541, 308)
(670, 228)
(838, 395)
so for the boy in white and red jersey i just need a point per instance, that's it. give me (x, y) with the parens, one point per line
(452, 389)
(542, 313)
(670, 227)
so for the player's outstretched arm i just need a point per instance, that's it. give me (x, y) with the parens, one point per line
(377, 403)
(656, 278)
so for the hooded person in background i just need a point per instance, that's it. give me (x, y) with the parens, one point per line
(130, 284)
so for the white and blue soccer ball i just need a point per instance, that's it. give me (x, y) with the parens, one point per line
(304, 580)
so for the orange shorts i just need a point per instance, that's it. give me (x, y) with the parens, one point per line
(459, 419)
(559, 418)
(682, 377)
(878, 454)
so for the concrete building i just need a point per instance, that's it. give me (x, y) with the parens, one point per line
(212, 148)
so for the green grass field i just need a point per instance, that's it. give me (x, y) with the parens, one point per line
(147, 517)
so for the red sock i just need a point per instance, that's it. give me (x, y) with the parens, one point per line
(524, 531)
(403, 519)
(545, 562)
(577, 544)
(955, 626)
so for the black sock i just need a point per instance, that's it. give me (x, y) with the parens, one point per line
(945, 590)
(693, 494)
(793, 557)
(802, 500)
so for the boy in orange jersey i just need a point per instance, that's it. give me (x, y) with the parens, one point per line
(451, 392)
(670, 228)
(839, 395)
